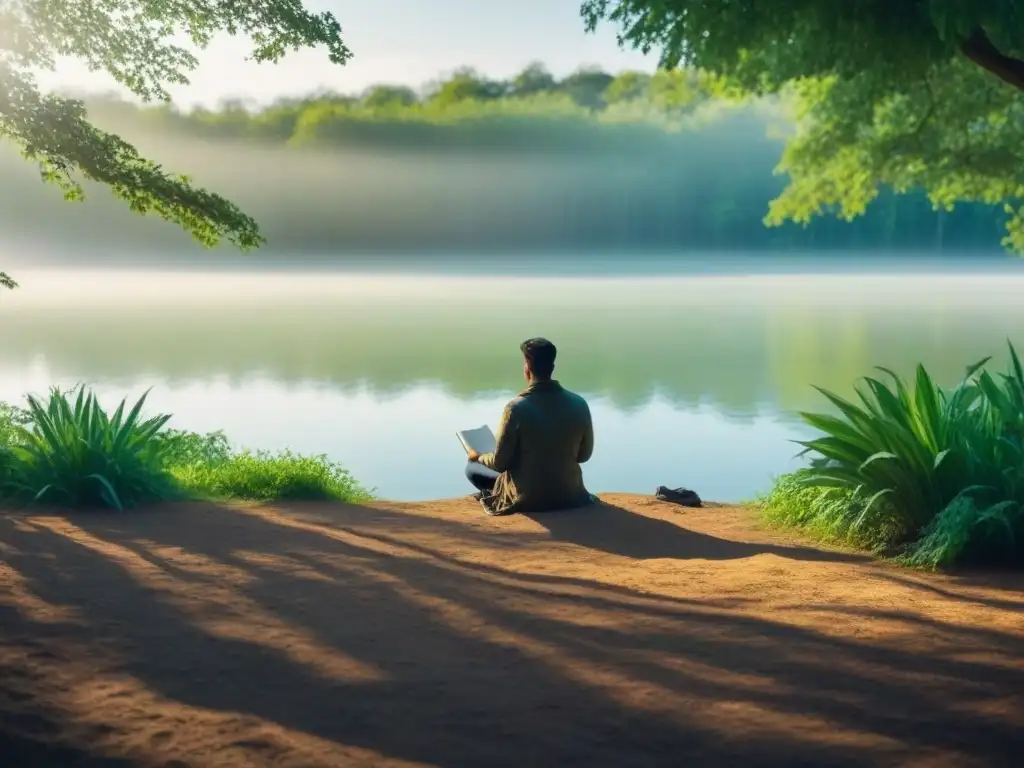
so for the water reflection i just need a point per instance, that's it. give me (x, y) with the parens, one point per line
(738, 344)
(693, 379)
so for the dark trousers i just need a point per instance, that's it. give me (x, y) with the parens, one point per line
(481, 477)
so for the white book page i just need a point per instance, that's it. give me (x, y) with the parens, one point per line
(480, 439)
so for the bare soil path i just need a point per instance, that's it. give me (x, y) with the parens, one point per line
(628, 634)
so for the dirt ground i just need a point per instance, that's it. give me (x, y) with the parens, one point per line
(629, 634)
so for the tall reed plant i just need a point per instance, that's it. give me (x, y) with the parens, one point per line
(938, 470)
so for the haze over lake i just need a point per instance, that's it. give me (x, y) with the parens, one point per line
(694, 379)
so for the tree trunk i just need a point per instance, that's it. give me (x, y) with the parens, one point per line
(979, 49)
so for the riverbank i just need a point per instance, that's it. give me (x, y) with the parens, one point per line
(387, 634)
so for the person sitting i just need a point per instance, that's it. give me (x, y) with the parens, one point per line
(545, 433)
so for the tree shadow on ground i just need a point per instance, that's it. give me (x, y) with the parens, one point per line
(1003, 580)
(251, 615)
(609, 528)
(21, 751)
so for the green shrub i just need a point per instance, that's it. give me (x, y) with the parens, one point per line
(68, 451)
(73, 453)
(939, 470)
(11, 417)
(265, 476)
(177, 448)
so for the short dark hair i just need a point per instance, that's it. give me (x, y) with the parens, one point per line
(540, 355)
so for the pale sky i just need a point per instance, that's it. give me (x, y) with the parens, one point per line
(400, 42)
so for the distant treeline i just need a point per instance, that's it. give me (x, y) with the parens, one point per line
(651, 161)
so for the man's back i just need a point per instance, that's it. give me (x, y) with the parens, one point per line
(545, 434)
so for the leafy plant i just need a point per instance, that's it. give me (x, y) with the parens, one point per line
(900, 442)
(916, 463)
(68, 451)
(73, 453)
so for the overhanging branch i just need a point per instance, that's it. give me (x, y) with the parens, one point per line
(979, 49)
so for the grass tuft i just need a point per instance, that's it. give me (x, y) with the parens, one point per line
(828, 514)
(266, 476)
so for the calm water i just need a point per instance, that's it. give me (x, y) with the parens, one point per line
(693, 380)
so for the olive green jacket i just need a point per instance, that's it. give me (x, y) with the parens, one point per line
(545, 434)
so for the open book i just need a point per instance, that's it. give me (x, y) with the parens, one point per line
(480, 439)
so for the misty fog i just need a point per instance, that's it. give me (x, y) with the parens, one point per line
(584, 188)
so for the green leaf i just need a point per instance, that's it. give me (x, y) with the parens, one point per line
(880, 456)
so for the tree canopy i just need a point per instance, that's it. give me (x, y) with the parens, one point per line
(897, 93)
(888, 93)
(136, 42)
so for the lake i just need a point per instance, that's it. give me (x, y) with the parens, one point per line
(693, 379)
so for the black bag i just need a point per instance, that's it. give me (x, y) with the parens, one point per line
(681, 496)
